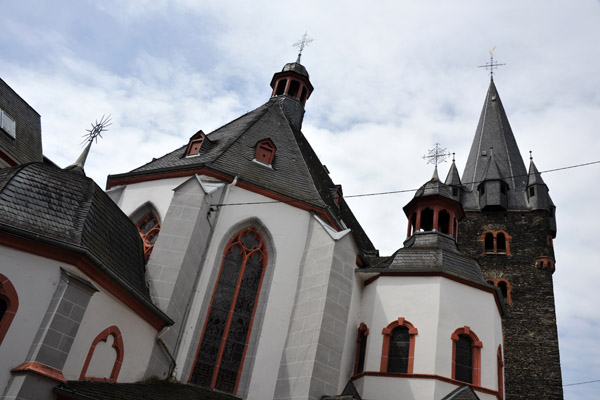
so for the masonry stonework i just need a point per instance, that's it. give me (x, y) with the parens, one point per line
(532, 362)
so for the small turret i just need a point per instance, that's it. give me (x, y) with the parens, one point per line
(493, 190)
(292, 81)
(453, 180)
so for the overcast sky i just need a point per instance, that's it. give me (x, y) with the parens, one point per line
(390, 79)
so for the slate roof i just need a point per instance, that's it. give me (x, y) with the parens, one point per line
(69, 211)
(534, 178)
(153, 390)
(427, 252)
(462, 393)
(494, 154)
(296, 171)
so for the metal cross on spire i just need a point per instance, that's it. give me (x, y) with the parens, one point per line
(436, 155)
(97, 129)
(491, 65)
(304, 41)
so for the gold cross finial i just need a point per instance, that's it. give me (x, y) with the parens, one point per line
(491, 65)
(304, 41)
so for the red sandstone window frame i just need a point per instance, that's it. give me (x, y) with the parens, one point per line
(236, 240)
(9, 295)
(507, 239)
(500, 370)
(151, 234)
(476, 346)
(545, 262)
(265, 152)
(361, 343)
(496, 282)
(117, 345)
(387, 334)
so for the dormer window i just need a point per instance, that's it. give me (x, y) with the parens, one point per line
(195, 144)
(265, 152)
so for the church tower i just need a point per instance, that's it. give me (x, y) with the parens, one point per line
(508, 229)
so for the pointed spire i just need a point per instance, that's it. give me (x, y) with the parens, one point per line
(493, 131)
(92, 135)
(453, 177)
(78, 165)
(435, 176)
(534, 176)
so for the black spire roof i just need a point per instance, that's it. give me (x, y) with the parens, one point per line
(494, 138)
(453, 178)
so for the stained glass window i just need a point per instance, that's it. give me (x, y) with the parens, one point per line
(225, 338)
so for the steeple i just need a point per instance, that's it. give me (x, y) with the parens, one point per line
(537, 190)
(453, 180)
(494, 132)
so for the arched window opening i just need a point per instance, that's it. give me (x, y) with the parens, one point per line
(303, 96)
(489, 242)
(9, 303)
(491, 282)
(148, 227)
(399, 346)
(280, 87)
(466, 356)
(398, 351)
(294, 87)
(504, 290)
(531, 191)
(265, 152)
(117, 345)
(427, 219)
(444, 221)
(222, 347)
(501, 242)
(464, 359)
(413, 223)
(361, 348)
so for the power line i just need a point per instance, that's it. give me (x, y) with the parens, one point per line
(397, 191)
(582, 383)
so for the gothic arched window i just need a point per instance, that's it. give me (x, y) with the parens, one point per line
(361, 348)
(148, 227)
(489, 242)
(222, 347)
(466, 356)
(9, 303)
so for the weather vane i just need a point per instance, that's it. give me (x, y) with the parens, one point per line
(491, 65)
(97, 129)
(304, 41)
(436, 155)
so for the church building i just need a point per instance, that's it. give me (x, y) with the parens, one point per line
(233, 268)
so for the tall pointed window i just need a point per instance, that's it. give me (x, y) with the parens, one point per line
(361, 348)
(220, 354)
(148, 227)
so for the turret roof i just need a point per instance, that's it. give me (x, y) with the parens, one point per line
(453, 177)
(534, 176)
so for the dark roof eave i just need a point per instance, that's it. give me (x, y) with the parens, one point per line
(95, 261)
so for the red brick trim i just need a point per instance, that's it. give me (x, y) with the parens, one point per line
(508, 288)
(323, 214)
(148, 236)
(41, 369)
(426, 376)
(476, 346)
(387, 333)
(545, 262)
(87, 267)
(361, 339)
(500, 364)
(508, 240)
(9, 295)
(117, 345)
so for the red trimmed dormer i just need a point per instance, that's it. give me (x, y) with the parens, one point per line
(292, 81)
(195, 144)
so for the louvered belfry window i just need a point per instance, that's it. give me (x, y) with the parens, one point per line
(464, 359)
(227, 328)
(399, 347)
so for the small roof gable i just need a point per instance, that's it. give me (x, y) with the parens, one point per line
(453, 177)
(534, 176)
(492, 171)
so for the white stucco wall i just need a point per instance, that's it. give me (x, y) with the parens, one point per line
(287, 230)
(35, 280)
(103, 311)
(436, 306)
(158, 192)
